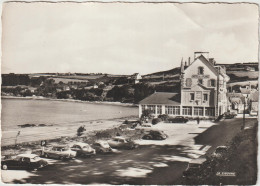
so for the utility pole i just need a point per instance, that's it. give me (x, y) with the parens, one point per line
(244, 116)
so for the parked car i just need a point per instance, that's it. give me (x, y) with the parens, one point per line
(24, 161)
(144, 126)
(178, 119)
(193, 166)
(83, 149)
(59, 152)
(155, 135)
(253, 113)
(220, 152)
(120, 142)
(229, 115)
(102, 147)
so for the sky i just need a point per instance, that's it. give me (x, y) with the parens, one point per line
(124, 38)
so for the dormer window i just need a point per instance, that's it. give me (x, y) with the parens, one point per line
(200, 70)
(200, 81)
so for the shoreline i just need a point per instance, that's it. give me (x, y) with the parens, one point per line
(71, 100)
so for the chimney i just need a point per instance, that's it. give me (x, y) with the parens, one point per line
(189, 62)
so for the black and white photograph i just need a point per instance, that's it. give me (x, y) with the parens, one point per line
(129, 93)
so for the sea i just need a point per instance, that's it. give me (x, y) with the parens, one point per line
(50, 112)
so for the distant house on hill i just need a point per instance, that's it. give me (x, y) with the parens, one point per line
(135, 78)
(254, 96)
(237, 104)
(66, 88)
(247, 91)
(251, 69)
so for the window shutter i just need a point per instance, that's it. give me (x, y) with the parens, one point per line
(209, 83)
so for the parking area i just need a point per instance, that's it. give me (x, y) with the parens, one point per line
(137, 163)
(153, 162)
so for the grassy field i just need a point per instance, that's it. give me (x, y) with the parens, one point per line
(243, 83)
(244, 74)
(66, 80)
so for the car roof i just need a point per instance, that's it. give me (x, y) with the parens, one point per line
(81, 144)
(198, 161)
(119, 137)
(60, 146)
(27, 155)
(101, 142)
(222, 147)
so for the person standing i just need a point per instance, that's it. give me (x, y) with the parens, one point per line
(198, 120)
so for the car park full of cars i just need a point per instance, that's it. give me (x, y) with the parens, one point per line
(24, 161)
(83, 149)
(61, 152)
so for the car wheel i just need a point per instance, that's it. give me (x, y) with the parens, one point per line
(4, 167)
(62, 158)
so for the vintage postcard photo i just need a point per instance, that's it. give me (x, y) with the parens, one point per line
(135, 93)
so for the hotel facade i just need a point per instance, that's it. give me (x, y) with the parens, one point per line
(203, 91)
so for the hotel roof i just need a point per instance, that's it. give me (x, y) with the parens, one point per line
(165, 98)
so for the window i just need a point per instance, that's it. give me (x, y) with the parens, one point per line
(159, 109)
(200, 81)
(200, 70)
(152, 108)
(198, 111)
(212, 83)
(192, 96)
(172, 110)
(205, 97)
(143, 107)
(209, 111)
(186, 110)
(188, 82)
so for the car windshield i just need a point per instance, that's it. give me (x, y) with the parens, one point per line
(104, 144)
(221, 150)
(194, 165)
(62, 148)
(86, 147)
(36, 158)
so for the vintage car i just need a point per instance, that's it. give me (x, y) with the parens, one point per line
(229, 115)
(120, 142)
(178, 119)
(193, 166)
(155, 135)
(144, 126)
(61, 152)
(24, 161)
(102, 147)
(83, 149)
(220, 152)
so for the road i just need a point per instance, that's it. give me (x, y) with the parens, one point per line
(154, 162)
